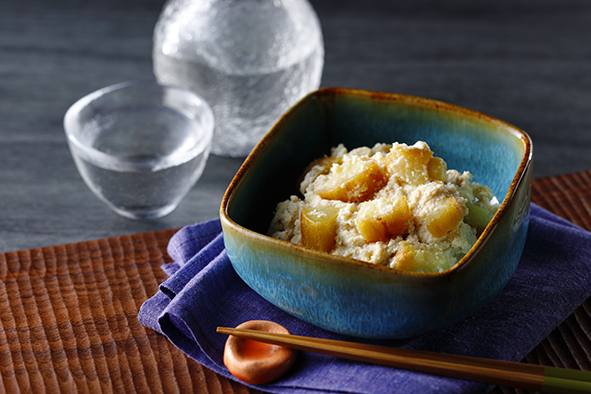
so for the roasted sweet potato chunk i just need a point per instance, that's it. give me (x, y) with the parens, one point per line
(445, 217)
(353, 181)
(409, 164)
(319, 227)
(425, 258)
(437, 169)
(380, 220)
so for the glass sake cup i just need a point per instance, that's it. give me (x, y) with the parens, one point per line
(140, 146)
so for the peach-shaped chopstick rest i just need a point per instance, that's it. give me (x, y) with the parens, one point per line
(257, 362)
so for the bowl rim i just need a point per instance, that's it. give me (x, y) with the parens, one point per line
(525, 163)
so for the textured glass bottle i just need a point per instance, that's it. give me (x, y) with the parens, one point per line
(249, 59)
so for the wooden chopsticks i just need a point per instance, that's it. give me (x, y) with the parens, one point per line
(504, 373)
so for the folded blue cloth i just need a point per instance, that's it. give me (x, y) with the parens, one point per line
(203, 292)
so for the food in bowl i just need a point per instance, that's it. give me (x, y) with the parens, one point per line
(393, 204)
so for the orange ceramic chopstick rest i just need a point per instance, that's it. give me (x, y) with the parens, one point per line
(257, 362)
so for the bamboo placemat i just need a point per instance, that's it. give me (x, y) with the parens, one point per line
(68, 314)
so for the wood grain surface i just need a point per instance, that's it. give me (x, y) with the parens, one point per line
(68, 314)
(68, 318)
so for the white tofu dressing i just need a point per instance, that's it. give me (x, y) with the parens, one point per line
(443, 211)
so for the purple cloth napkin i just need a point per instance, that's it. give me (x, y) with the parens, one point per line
(203, 292)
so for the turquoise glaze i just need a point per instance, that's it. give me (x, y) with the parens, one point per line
(358, 298)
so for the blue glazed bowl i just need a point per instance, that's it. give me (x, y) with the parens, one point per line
(357, 298)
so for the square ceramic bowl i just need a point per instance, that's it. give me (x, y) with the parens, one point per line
(357, 298)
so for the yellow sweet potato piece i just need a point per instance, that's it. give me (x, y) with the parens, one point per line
(420, 259)
(445, 217)
(318, 226)
(353, 181)
(437, 169)
(380, 220)
(409, 164)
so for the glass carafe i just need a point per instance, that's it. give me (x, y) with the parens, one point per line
(250, 59)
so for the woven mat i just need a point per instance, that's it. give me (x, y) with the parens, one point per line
(68, 314)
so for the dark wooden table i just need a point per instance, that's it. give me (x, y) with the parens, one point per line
(525, 62)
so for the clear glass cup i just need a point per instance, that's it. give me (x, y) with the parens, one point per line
(140, 146)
